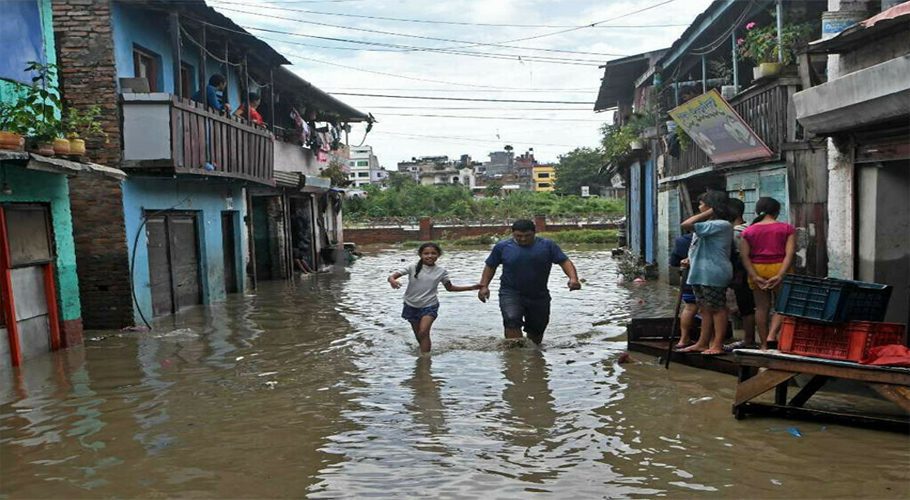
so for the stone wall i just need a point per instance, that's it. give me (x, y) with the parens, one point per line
(85, 55)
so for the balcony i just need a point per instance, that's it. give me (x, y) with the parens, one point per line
(768, 110)
(168, 135)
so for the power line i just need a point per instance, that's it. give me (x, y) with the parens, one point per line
(455, 23)
(493, 117)
(438, 98)
(469, 139)
(404, 77)
(587, 90)
(421, 37)
(586, 109)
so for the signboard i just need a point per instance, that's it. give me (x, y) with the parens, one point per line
(585, 191)
(718, 130)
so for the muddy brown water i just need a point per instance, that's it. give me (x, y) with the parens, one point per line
(315, 389)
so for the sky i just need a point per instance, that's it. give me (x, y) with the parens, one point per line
(344, 54)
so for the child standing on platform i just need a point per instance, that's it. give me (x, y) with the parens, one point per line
(421, 304)
(767, 250)
(710, 270)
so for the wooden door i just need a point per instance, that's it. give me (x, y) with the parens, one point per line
(159, 266)
(173, 250)
(228, 236)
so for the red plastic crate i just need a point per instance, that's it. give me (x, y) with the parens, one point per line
(847, 341)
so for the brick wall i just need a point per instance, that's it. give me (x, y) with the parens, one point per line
(85, 57)
(387, 235)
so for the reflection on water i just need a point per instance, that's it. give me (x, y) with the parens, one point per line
(315, 389)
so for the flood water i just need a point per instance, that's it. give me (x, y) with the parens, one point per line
(315, 389)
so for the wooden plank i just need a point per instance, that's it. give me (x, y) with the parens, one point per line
(760, 384)
(827, 367)
(813, 415)
(896, 394)
(815, 383)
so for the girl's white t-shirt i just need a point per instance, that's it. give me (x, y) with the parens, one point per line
(421, 291)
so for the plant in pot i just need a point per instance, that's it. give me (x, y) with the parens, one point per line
(720, 69)
(760, 46)
(41, 103)
(13, 125)
(82, 125)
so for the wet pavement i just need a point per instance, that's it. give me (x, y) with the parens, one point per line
(315, 389)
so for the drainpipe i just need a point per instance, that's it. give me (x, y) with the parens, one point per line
(780, 29)
(704, 74)
(735, 61)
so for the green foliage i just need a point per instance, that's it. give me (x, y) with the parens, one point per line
(577, 168)
(583, 236)
(413, 200)
(760, 43)
(83, 124)
(493, 188)
(335, 172)
(617, 140)
(35, 111)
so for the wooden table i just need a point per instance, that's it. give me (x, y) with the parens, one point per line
(892, 383)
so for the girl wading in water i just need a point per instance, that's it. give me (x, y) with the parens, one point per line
(421, 304)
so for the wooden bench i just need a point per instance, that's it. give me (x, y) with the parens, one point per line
(778, 369)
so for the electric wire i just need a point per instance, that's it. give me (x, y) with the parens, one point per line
(440, 98)
(452, 23)
(491, 117)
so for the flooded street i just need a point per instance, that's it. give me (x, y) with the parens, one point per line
(315, 389)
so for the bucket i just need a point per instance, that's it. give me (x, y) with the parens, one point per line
(833, 22)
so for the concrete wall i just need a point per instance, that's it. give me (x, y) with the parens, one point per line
(207, 197)
(9, 89)
(134, 25)
(293, 158)
(30, 186)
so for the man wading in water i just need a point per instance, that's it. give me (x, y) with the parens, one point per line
(523, 296)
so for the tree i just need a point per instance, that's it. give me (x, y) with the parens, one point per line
(494, 188)
(577, 168)
(398, 180)
(335, 172)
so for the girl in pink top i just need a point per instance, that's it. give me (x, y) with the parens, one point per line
(767, 249)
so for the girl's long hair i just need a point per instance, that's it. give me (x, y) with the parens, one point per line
(766, 206)
(420, 252)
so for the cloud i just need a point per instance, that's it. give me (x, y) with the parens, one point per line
(397, 138)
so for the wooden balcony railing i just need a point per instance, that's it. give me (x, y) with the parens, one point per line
(767, 109)
(161, 131)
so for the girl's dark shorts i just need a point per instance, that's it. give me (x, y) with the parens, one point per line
(713, 297)
(413, 314)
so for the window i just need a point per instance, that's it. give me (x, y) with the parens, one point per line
(351, 163)
(363, 163)
(543, 175)
(363, 174)
(544, 185)
(187, 79)
(21, 39)
(145, 65)
(29, 234)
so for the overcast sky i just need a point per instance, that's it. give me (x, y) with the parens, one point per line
(395, 68)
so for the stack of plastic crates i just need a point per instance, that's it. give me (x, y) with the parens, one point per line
(835, 319)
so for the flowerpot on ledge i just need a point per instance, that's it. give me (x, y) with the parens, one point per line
(636, 145)
(77, 147)
(42, 147)
(61, 146)
(766, 69)
(729, 91)
(11, 141)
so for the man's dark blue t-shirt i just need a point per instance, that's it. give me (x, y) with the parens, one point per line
(526, 269)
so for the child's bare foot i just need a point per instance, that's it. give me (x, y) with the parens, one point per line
(712, 352)
(682, 343)
(693, 348)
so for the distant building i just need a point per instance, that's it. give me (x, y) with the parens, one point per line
(363, 165)
(544, 178)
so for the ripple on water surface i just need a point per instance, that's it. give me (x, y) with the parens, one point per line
(314, 388)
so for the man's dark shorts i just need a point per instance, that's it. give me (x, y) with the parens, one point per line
(413, 314)
(530, 312)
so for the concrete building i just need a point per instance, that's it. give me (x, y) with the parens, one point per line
(864, 110)
(544, 178)
(364, 167)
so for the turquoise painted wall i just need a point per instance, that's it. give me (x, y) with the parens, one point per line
(30, 186)
(206, 197)
(9, 89)
(751, 185)
(149, 29)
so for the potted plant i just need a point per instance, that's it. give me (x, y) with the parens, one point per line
(82, 125)
(719, 69)
(39, 106)
(13, 124)
(760, 46)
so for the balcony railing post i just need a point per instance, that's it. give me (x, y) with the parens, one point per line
(175, 50)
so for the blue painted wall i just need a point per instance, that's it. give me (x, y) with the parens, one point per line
(9, 89)
(206, 197)
(650, 198)
(133, 25)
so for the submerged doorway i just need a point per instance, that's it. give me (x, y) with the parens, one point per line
(173, 251)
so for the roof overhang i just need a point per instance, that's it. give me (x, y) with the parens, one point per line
(41, 163)
(892, 22)
(620, 77)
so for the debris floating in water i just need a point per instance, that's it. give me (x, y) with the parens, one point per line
(794, 432)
